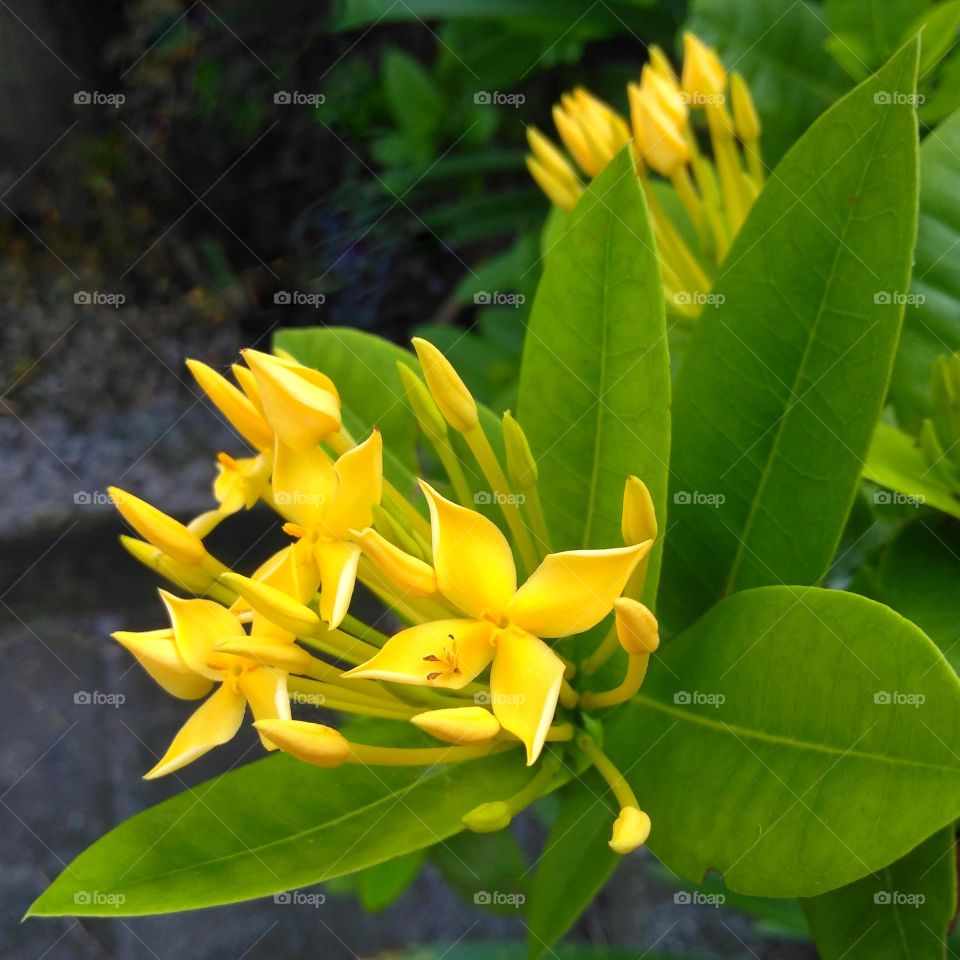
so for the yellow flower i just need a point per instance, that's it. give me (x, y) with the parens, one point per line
(504, 626)
(186, 662)
(240, 483)
(324, 501)
(703, 72)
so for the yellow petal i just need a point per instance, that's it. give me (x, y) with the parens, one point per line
(311, 742)
(266, 692)
(268, 653)
(156, 652)
(413, 576)
(304, 483)
(474, 563)
(637, 628)
(525, 681)
(630, 830)
(171, 536)
(213, 723)
(360, 475)
(338, 576)
(459, 724)
(236, 407)
(442, 653)
(292, 570)
(703, 73)
(302, 405)
(639, 519)
(571, 592)
(198, 625)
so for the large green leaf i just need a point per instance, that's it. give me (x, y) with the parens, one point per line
(595, 378)
(863, 33)
(900, 913)
(784, 380)
(575, 863)
(779, 48)
(931, 325)
(919, 575)
(271, 826)
(795, 739)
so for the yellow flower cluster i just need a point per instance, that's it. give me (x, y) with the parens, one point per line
(715, 192)
(474, 665)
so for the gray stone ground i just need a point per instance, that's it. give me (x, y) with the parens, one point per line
(69, 771)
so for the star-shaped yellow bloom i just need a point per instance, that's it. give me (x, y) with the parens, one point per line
(324, 501)
(189, 660)
(504, 626)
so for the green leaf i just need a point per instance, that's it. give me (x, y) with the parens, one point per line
(783, 742)
(380, 885)
(778, 397)
(896, 461)
(919, 574)
(931, 325)
(575, 863)
(595, 378)
(478, 863)
(486, 950)
(871, 29)
(415, 103)
(900, 913)
(779, 49)
(272, 826)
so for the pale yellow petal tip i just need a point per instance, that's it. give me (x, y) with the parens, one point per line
(311, 742)
(448, 390)
(637, 627)
(459, 724)
(488, 817)
(630, 830)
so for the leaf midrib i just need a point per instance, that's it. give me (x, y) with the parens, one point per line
(781, 740)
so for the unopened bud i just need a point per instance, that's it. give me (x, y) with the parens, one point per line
(459, 724)
(278, 607)
(703, 73)
(630, 830)
(411, 574)
(171, 536)
(488, 817)
(745, 117)
(639, 518)
(425, 409)
(637, 628)
(520, 462)
(311, 742)
(452, 397)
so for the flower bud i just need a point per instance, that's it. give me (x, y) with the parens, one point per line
(311, 742)
(703, 73)
(425, 409)
(274, 604)
(639, 519)
(411, 574)
(659, 140)
(454, 400)
(169, 535)
(630, 830)
(637, 628)
(520, 463)
(301, 405)
(745, 117)
(488, 817)
(459, 724)
(232, 403)
(284, 656)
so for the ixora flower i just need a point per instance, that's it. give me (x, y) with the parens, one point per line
(715, 192)
(479, 654)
